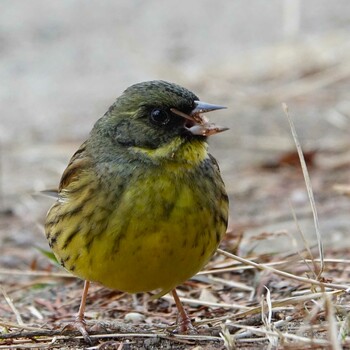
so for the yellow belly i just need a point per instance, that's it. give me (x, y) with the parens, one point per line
(155, 234)
(152, 253)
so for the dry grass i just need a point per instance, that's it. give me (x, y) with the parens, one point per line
(286, 311)
(292, 302)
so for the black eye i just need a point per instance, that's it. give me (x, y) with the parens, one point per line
(159, 117)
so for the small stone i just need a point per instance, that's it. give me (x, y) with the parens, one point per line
(134, 317)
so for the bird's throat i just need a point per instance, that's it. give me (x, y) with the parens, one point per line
(190, 152)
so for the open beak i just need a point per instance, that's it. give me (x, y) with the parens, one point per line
(198, 124)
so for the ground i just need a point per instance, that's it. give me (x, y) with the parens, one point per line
(63, 63)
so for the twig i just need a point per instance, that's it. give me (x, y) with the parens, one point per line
(285, 335)
(332, 324)
(306, 245)
(229, 283)
(17, 326)
(12, 306)
(58, 333)
(343, 287)
(15, 272)
(288, 301)
(207, 303)
(275, 263)
(308, 187)
(25, 345)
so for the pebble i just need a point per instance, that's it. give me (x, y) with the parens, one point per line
(134, 317)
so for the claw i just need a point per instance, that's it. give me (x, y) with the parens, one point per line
(184, 324)
(80, 323)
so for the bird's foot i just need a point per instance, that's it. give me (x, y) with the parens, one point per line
(184, 325)
(80, 325)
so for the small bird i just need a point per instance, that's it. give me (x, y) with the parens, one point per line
(141, 205)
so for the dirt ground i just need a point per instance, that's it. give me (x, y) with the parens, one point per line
(63, 63)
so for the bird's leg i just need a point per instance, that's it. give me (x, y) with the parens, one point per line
(80, 322)
(183, 321)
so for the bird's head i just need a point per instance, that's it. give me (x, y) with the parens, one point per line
(153, 114)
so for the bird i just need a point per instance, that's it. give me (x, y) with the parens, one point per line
(142, 205)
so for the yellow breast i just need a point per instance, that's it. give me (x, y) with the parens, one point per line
(154, 232)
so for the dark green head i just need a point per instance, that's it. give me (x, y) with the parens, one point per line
(151, 114)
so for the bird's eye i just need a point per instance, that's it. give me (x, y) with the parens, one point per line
(159, 117)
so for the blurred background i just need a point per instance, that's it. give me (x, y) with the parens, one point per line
(63, 63)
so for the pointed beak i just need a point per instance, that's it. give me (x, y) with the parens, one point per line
(203, 107)
(198, 124)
